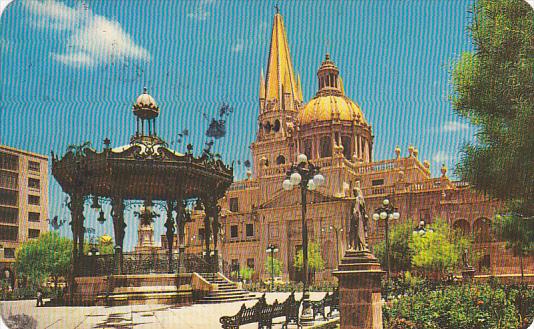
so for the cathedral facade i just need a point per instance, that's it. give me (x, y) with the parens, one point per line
(331, 129)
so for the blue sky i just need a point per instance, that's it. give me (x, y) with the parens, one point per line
(71, 70)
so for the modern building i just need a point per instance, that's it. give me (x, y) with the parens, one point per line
(331, 129)
(23, 201)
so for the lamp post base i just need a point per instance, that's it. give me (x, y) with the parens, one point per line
(360, 305)
(306, 317)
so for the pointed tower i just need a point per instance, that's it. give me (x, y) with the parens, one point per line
(280, 98)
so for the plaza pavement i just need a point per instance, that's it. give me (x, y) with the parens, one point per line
(137, 316)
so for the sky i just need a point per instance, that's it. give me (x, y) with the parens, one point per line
(71, 70)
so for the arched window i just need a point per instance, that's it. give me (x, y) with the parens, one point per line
(307, 148)
(482, 229)
(280, 160)
(267, 127)
(346, 142)
(325, 147)
(462, 226)
(276, 126)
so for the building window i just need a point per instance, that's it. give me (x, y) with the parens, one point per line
(9, 161)
(9, 215)
(250, 263)
(233, 231)
(201, 234)
(32, 233)
(34, 199)
(34, 217)
(250, 230)
(346, 142)
(280, 160)
(325, 147)
(9, 253)
(9, 233)
(9, 180)
(9, 198)
(234, 204)
(34, 166)
(234, 265)
(34, 183)
(307, 146)
(377, 182)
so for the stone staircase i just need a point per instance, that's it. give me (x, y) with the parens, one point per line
(225, 290)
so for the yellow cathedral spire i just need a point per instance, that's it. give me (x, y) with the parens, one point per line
(279, 66)
(262, 86)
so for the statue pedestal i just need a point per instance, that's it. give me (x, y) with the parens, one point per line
(360, 300)
(468, 273)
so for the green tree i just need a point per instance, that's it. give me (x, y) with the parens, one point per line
(400, 254)
(438, 250)
(104, 246)
(246, 273)
(518, 232)
(315, 259)
(276, 266)
(494, 88)
(49, 255)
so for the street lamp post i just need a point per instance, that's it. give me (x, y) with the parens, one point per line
(272, 249)
(386, 213)
(337, 230)
(306, 176)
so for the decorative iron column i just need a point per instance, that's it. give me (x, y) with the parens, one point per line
(169, 225)
(182, 217)
(119, 226)
(76, 207)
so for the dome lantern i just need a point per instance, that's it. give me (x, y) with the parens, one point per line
(146, 110)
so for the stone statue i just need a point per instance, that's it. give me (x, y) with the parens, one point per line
(465, 259)
(358, 223)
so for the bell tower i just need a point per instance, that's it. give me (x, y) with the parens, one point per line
(280, 97)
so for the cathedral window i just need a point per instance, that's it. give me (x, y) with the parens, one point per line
(250, 230)
(280, 160)
(276, 126)
(267, 127)
(325, 147)
(250, 263)
(234, 204)
(346, 142)
(308, 148)
(377, 182)
(233, 231)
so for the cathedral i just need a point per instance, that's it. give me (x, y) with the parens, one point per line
(332, 131)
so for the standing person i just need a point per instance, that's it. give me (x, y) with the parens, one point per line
(39, 297)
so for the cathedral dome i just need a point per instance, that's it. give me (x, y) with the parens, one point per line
(330, 102)
(331, 107)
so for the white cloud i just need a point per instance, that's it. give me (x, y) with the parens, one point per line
(3, 5)
(52, 15)
(92, 39)
(452, 126)
(238, 46)
(441, 157)
(200, 12)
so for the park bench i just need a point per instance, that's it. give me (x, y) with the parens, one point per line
(264, 314)
(330, 300)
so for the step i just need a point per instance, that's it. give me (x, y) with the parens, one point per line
(227, 293)
(141, 289)
(227, 300)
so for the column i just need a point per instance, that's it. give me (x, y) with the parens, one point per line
(212, 213)
(76, 207)
(169, 225)
(181, 219)
(119, 226)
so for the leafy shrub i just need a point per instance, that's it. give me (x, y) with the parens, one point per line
(483, 306)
